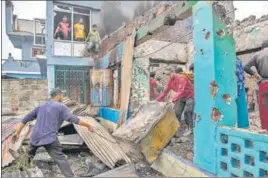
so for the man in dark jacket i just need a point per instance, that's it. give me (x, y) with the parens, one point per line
(49, 118)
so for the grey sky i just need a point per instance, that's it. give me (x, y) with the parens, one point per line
(36, 9)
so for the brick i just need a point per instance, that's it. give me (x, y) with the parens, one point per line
(35, 87)
(25, 98)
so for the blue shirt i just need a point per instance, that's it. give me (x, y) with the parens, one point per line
(240, 76)
(49, 117)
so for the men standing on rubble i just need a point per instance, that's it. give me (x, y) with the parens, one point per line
(160, 87)
(260, 62)
(153, 86)
(49, 117)
(183, 97)
(94, 39)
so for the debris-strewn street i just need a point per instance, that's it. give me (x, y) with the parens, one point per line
(134, 89)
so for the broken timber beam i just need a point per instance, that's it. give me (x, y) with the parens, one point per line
(181, 12)
(158, 60)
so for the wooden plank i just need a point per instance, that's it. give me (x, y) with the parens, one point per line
(73, 139)
(159, 136)
(126, 77)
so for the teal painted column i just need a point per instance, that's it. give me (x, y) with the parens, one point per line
(50, 77)
(215, 83)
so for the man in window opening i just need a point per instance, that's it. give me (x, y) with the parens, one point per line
(153, 86)
(94, 40)
(63, 29)
(183, 98)
(79, 30)
(49, 118)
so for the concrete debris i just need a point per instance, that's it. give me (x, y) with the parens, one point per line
(255, 122)
(34, 172)
(151, 128)
(128, 170)
(140, 125)
(182, 145)
(143, 169)
(42, 157)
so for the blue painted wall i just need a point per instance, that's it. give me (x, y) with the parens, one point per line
(111, 114)
(251, 145)
(214, 60)
(24, 76)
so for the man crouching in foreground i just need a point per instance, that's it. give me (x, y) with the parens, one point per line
(49, 117)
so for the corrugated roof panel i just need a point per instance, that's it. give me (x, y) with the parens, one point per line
(101, 143)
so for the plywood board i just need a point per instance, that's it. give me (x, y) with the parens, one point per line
(126, 77)
(159, 136)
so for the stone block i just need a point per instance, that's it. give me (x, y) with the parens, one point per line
(30, 82)
(25, 98)
(35, 87)
(24, 87)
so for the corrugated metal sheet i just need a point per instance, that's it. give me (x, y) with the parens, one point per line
(7, 144)
(102, 144)
(9, 126)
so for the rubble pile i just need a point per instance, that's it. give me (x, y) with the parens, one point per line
(85, 151)
(182, 145)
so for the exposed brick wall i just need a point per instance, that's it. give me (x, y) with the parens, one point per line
(22, 94)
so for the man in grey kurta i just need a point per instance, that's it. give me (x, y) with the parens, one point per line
(260, 62)
(49, 117)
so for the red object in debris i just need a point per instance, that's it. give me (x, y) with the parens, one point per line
(263, 104)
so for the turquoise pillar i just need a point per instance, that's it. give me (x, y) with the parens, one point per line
(215, 83)
(50, 77)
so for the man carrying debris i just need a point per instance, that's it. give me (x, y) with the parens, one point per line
(153, 86)
(183, 97)
(49, 117)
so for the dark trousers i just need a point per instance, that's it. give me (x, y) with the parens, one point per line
(186, 105)
(55, 151)
(61, 36)
(93, 47)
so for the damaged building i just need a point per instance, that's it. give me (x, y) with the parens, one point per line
(134, 136)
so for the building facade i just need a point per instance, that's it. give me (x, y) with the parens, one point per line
(67, 65)
(62, 60)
